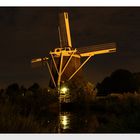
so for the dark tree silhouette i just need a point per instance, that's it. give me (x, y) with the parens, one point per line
(12, 90)
(1, 92)
(137, 80)
(104, 87)
(120, 81)
(23, 90)
(35, 88)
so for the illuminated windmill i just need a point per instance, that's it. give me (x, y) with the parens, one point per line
(64, 63)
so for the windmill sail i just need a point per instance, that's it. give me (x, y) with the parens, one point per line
(38, 62)
(64, 30)
(96, 49)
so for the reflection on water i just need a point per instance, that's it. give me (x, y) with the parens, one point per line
(74, 122)
(64, 120)
(70, 122)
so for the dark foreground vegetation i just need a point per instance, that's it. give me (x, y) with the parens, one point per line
(106, 108)
(27, 110)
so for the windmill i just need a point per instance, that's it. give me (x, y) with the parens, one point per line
(64, 63)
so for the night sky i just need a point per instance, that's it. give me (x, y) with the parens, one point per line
(27, 33)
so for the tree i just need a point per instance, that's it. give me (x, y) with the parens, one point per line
(1, 92)
(35, 88)
(120, 81)
(80, 89)
(23, 90)
(12, 90)
(137, 80)
(104, 88)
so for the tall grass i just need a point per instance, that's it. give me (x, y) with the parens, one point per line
(119, 115)
(27, 114)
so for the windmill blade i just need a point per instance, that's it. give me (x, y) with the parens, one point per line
(64, 30)
(38, 62)
(97, 49)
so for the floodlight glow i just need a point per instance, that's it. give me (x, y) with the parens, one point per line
(64, 90)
